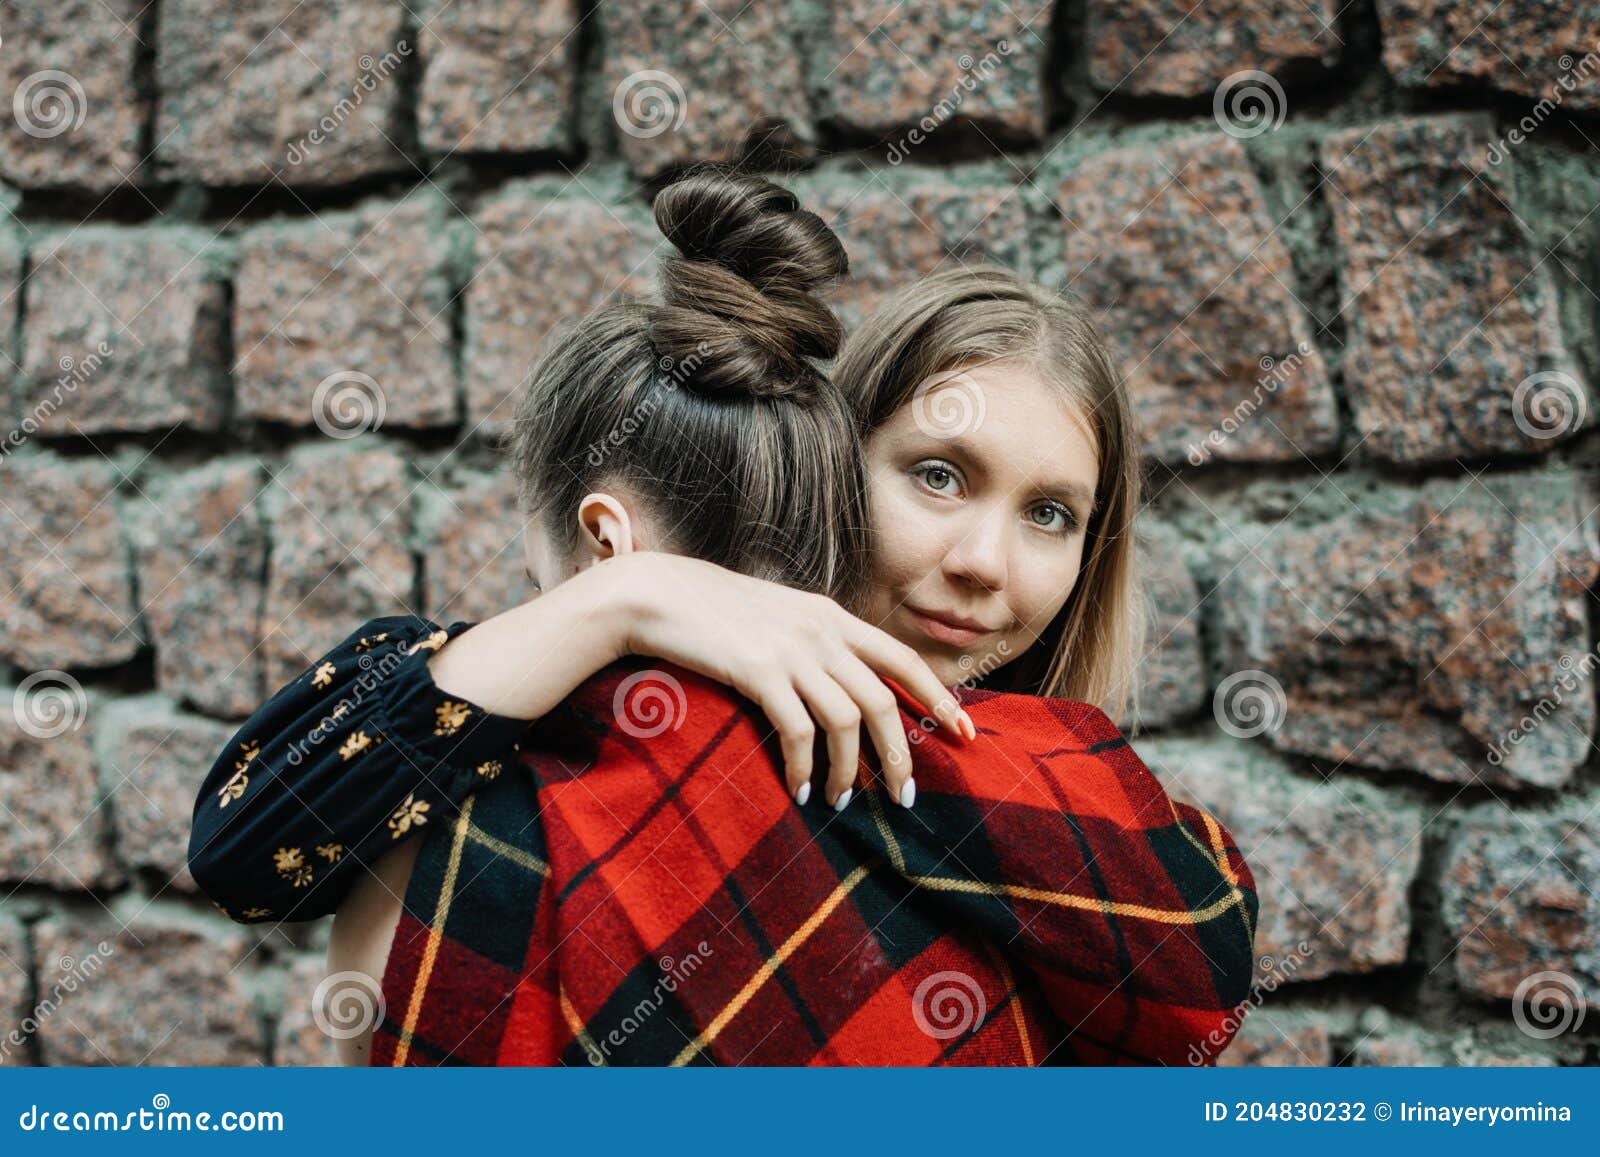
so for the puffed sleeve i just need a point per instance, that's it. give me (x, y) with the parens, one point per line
(356, 753)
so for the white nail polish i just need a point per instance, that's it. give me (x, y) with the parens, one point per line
(908, 793)
(803, 794)
(844, 798)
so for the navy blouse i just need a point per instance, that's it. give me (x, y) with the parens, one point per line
(356, 753)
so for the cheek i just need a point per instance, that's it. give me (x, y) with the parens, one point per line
(1051, 581)
(903, 550)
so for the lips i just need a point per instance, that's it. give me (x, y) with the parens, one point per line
(954, 630)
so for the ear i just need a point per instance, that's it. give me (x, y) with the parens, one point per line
(607, 526)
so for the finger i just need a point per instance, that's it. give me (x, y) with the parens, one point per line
(880, 711)
(890, 657)
(796, 734)
(837, 714)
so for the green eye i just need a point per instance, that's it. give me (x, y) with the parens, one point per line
(937, 477)
(1044, 513)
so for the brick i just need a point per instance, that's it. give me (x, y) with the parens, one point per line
(1518, 899)
(885, 64)
(70, 67)
(301, 1039)
(1421, 627)
(340, 525)
(541, 261)
(1174, 247)
(898, 229)
(125, 329)
(344, 322)
(1184, 48)
(15, 963)
(1172, 671)
(179, 974)
(66, 597)
(1449, 309)
(703, 80)
(151, 758)
(1333, 861)
(1279, 1038)
(1385, 1041)
(309, 93)
(1524, 46)
(13, 258)
(471, 537)
(53, 832)
(498, 75)
(202, 559)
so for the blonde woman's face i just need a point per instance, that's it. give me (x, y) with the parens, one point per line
(980, 489)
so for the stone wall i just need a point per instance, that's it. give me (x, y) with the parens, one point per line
(270, 273)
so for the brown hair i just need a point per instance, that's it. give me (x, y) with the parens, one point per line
(708, 407)
(960, 318)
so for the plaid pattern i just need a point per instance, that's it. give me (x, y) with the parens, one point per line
(658, 899)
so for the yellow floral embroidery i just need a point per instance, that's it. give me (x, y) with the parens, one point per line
(331, 852)
(366, 644)
(235, 786)
(409, 813)
(355, 744)
(252, 913)
(292, 867)
(339, 709)
(449, 716)
(490, 769)
(433, 642)
(323, 676)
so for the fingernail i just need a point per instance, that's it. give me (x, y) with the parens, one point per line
(908, 793)
(844, 798)
(968, 728)
(802, 794)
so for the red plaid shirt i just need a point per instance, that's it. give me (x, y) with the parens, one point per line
(648, 893)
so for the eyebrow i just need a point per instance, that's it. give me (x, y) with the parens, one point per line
(1074, 491)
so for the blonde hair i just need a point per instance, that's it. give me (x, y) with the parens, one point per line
(962, 317)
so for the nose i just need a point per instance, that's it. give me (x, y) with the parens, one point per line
(979, 555)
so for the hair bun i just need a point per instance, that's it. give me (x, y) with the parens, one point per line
(742, 309)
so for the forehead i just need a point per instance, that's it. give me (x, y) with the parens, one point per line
(1005, 416)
